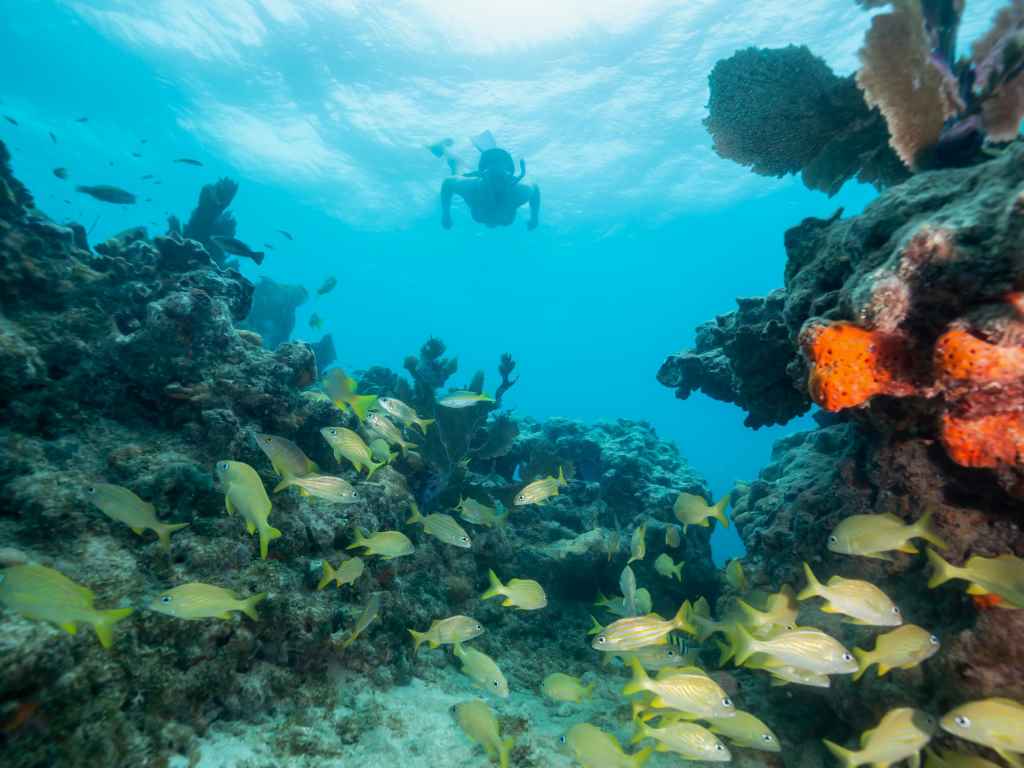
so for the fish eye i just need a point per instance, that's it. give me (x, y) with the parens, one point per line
(719, 748)
(464, 538)
(355, 495)
(726, 702)
(333, 431)
(833, 539)
(496, 684)
(670, 653)
(602, 639)
(166, 599)
(268, 440)
(223, 466)
(933, 640)
(963, 721)
(479, 627)
(561, 739)
(847, 657)
(91, 489)
(896, 610)
(766, 738)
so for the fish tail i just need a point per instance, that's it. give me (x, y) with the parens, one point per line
(504, 750)
(725, 652)
(642, 757)
(496, 586)
(640, 731)
(372, 467)
(561, 478)
(718, 511)
(415, 517)
(422, 424)
(595, 626)
(677, 571)
(360, 540)
(287, 481)
(248, 606)
(258, 256)
(844, 756)
(813, 587)
(681, 620)
(742, 645)
(500, 520)
(924, 529)
(267, 535)
(164, 531)
(863, 662)
(328, 576)
(417, 639)
(361, 405)
(404, 446)
(640, 679)
(941, 570)
(104, 622)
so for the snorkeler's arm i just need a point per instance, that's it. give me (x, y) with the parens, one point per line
(534, 207)
(448, 189)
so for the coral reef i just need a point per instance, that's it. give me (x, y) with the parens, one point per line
(210, 218)
(273, 311)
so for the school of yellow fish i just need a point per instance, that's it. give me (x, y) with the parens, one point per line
(760, 632)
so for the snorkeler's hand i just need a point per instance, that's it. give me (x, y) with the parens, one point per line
(446, 220)
(532, 223)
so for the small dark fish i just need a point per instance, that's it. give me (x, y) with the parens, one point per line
(188, 161)
(60, 173)
(286, 234)
(149, 199)
(82, 120)
(147, 176)
(111, 163)
(268, 246)
(10, 120)
(53, 137)
(236, 247)
(315, 322)
(143, 141)
(329, 285)
(108, 194)
(136, 154)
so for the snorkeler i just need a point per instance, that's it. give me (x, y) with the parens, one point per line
(493, 192)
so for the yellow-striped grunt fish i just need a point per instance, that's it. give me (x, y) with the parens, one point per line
(901, 734)
(734, 575)
(559, 686)
(347, 444)
(525, 594)
(670, 570)
(454, 629)
(244, 493)
(404, 413)
(903, 648)
(780, 611)
(347, 572)
(874, 535)
(745, 730)
(861, 600)
(204, 601)
(634, 632)
(809, 649)
(638, 544)
(1002, 576)
(286, 457)
(380, 451)
(382, 426)
(593, 748)
(692, 741)
(481, 669)
(672, 538)
(655, 657)
(993, 723)
(366, 618)
(385, 544)
(691, 509)
(44, 594)
(947, 758)
(477, 721)
(541, 490)
(327, 487)
(122, 505)
(442, 527)
(785, 674)
(472, 511)
(464, 399)
(618, 606)
(688, 689)
(342, 391)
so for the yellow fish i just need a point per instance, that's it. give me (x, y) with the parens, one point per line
(346, 443)
(786, 673)
(525, 594)
(993, 723)
(947, 758)
(663, 564)
(455, 629)
(780, 611)
(464, 399)
(347, 573)
(370, 612)
(472, 511)
(745, 730)
(383, 427)
(1002, 576)
(286, 457)
(638, 544)
(244, 493)
(477, 721)
(903, 648)
(691, 509)
(900, 735)
(342, 391)
(634, 632)
(613, 542)
(327, 487)
(734, 575)
(672, 536)
(43, 594)
(541, 490)
(809, 649)
(442, 527)
(481, 669)
(122, 505)
(386, 544)
(381, 452)
(561, 687)
(404, 413)
(655, 657)
(692, 741)
(594, 748)
(204, 601)
(874, 535)
(865, 603)
(618, 605)
(687, 689)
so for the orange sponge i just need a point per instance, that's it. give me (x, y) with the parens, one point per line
(988, 441)
(850, 365)
(962, 356)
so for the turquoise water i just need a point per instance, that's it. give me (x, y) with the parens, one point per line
(322, 109)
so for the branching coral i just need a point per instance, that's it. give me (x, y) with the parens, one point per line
(999, 73)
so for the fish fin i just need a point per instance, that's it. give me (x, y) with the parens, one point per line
(639, 734)
(361, 405)
(561, 480)
(1010, 758)
(287, 482)
(137, 531)
(718, 511)
(312, 467)
(415, 517)
(250, 527)
(417, 639)
(924, 529)
(266, 536)
(507, 602)
(908, 549)
(641, 757)
(915, 760)
(422, 424)
(164, 531)
(640, 679)
(359, 542)
(504, 750)
(70, 627)
(228, 505)
(496, 586)
(248, 606)
(724, 652)
(883, 669)
(104, 623)
(681, 620)
(846, 757)
(941, 570)
(595, 627)
(975, 589)
(863, 662)
(328, 576)
(742, 645)
(372, 467)
(813, 588)
(433, 644)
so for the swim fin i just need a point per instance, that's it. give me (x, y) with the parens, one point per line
(484, 141)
